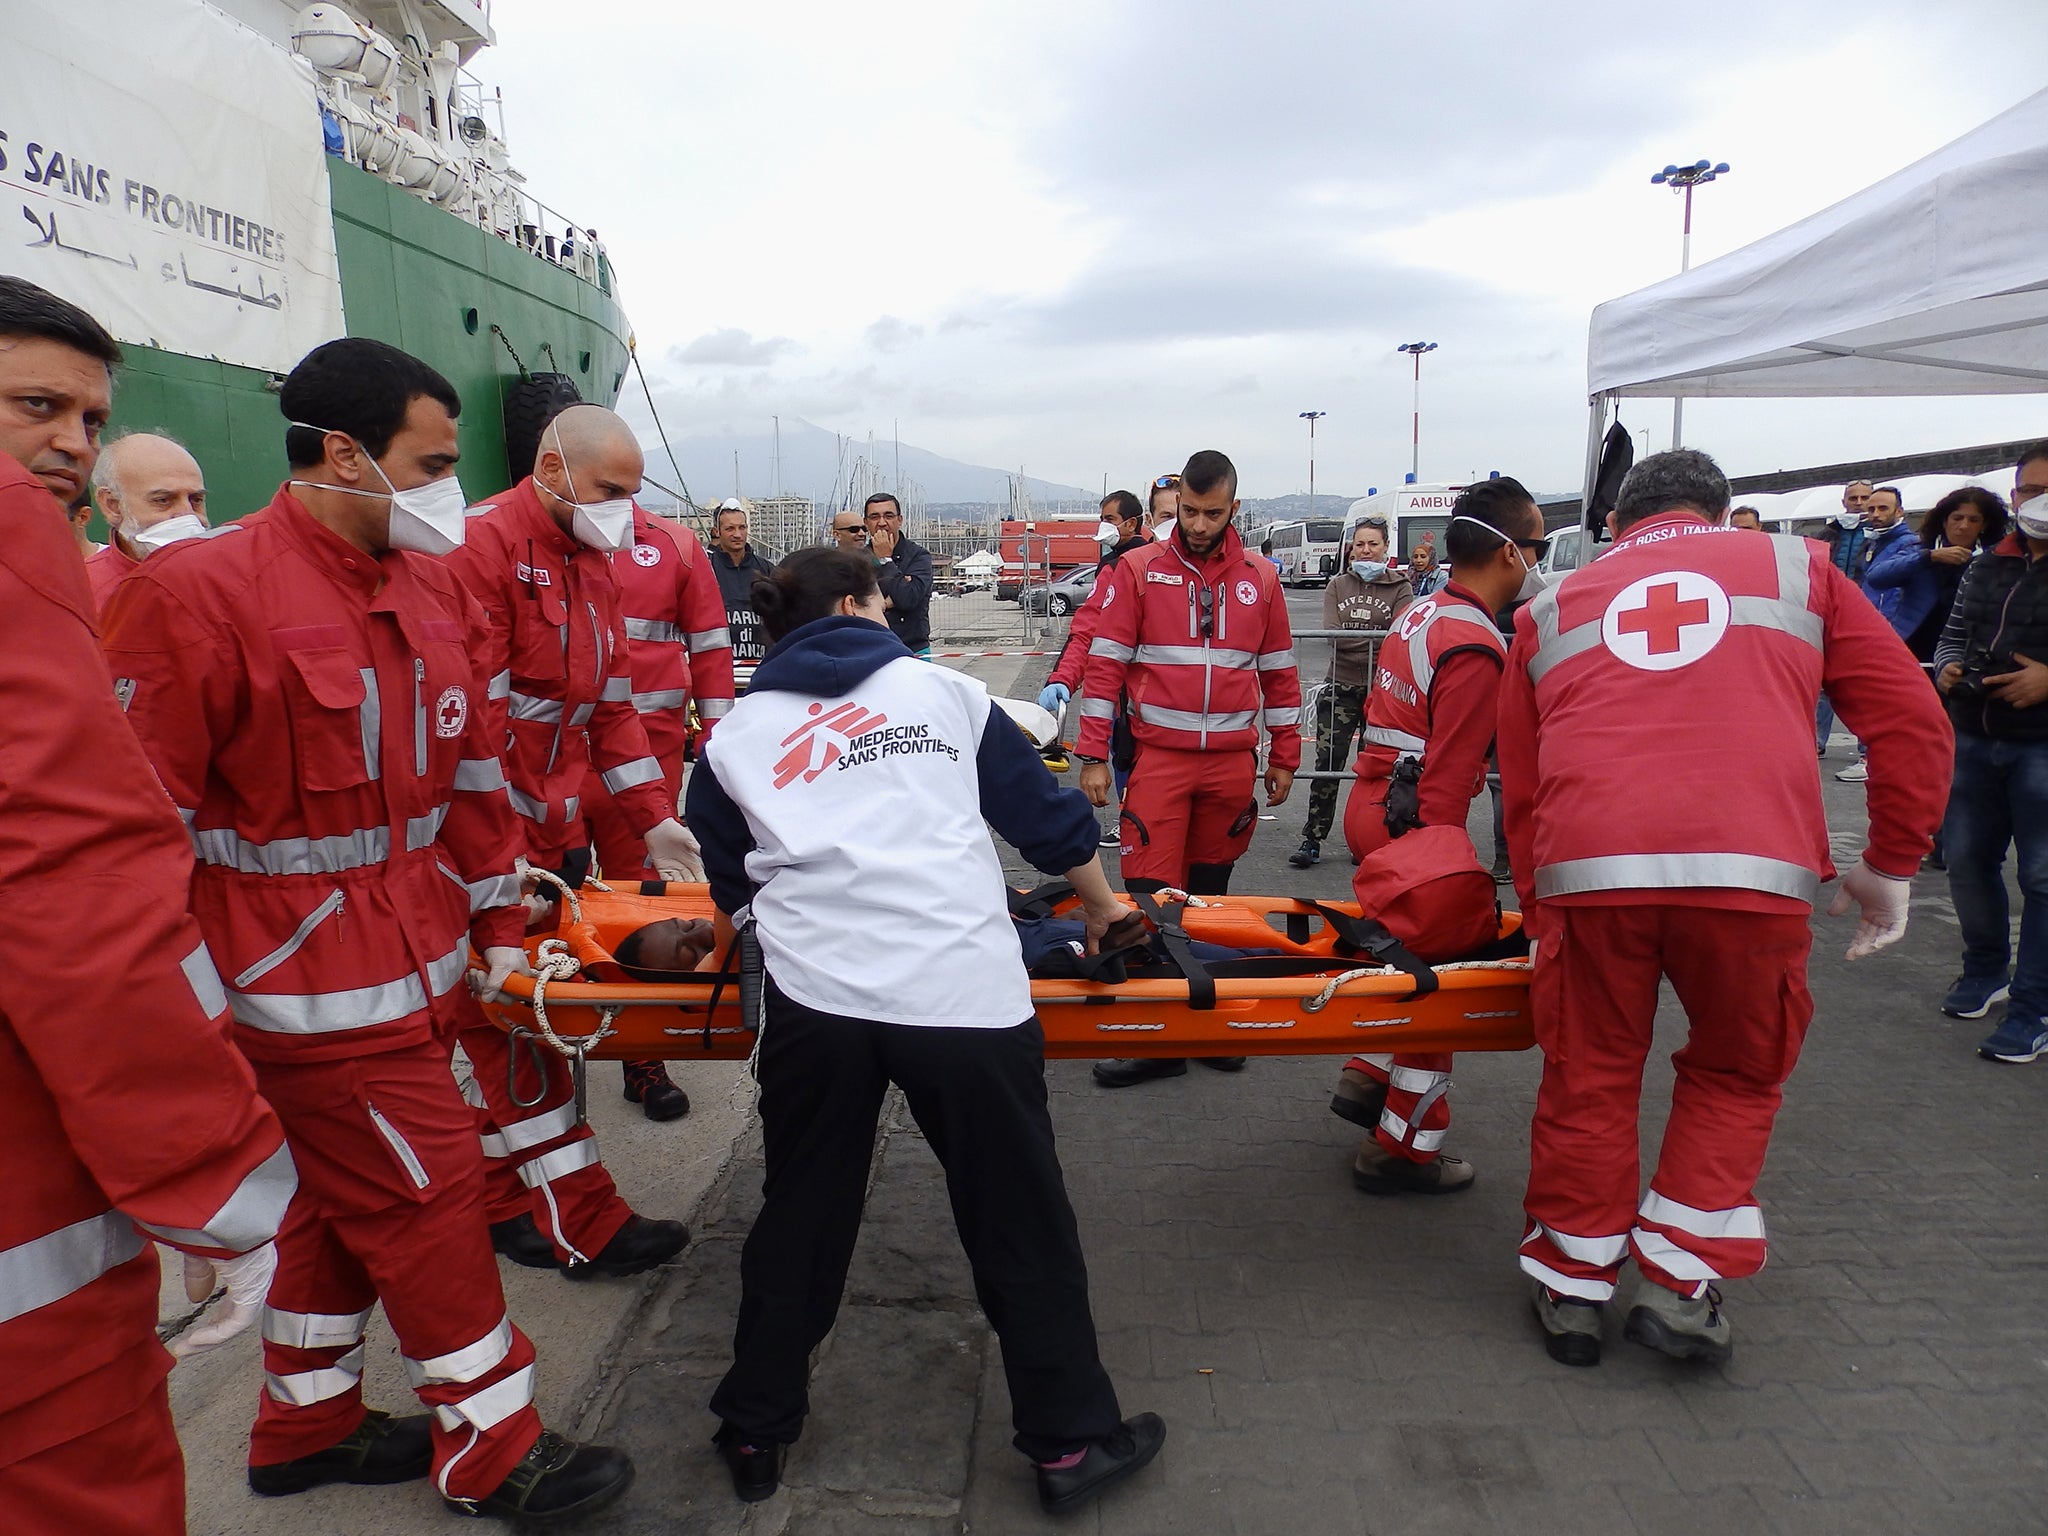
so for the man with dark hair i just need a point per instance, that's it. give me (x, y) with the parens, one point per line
(737, 567)
(1991, 665)
(903, 572)
(1884, 518)
(1847, 539)
(1194, 633)
(1748, 519)
(1428, 725)
(313, 693)
(129, 1114)
(1685, 659)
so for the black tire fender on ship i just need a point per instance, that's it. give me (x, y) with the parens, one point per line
(530, 405)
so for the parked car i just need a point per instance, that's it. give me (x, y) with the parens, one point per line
(1066, 593)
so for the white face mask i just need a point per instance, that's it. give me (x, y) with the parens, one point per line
(2031, 516)
(1533, 580)
(171, 530)
(600, 525)
(425, 519)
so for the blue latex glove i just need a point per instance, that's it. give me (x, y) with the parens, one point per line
(1053, 698)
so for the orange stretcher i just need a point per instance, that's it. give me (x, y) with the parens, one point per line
(1341, 1006)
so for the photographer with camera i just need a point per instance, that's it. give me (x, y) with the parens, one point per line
(1992, 668)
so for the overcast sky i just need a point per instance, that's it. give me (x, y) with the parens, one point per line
(1089, 236)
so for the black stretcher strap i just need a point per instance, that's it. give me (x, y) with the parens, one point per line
(1040, 901)
(1368, 937)
(1201, 985)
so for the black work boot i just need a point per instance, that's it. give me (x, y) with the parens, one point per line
(756, 1469)
(649, 1085)
(1128, 1071)
(637, 1246)
(1105, 1462)
(557, 1480)
(381, 1450)
(520, 1239)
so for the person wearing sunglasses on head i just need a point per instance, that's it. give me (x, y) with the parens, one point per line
(1428, 727)
(1194, 635)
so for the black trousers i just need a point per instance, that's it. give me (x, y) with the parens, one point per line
(978, 1096)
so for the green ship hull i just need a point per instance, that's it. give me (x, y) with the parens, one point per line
(421, 279)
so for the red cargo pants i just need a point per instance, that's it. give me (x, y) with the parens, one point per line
(1183, 809)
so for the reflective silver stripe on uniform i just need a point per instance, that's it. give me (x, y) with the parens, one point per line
(1790, 612)
(302, 1389)
(1400, 741)
(1415, 1079)
(473, 1091)
(371, 714)
(421, 831)
(1114, 650)
(486, 1410)
(558, 1163)
(1603, 1251)
(661, 698)
(225, 848)
(572, 807)
(526, 805)
(1678, 871)
(464, 1364)
(653, 629)
(291, 946)
(49, 1268)
(1737, 1221)
(1567, 1285)
(641, 770)
(479, 775)
(1675, 1261)
(326, 1013)
(492, 891)
(522, 1134)
(1421, 1141)
(1276, 661)
(710, 639)
(1093, 708)
(714, 709)
(1192, 656)
(500, 686)
(188, 817)
(250, 1216)
(449, 969)
(1191, 720)
(205, 982)
(617, 690)
(524, 706)
(1280, 718)
(314, 1330)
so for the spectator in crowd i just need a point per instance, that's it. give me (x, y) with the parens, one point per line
(1884, 521)
(1747, 518)
(1366, 594)
(904, 571)
(1846, 541)
(737, 567)
(1266, 549)
(1162, 505)
(1992, 668)
(78, 513)
(848, 531)
(1424, 575)
(1918, 578)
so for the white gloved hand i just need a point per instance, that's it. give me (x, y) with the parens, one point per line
(674, 852)
(500, 961)
(248, 1281)
(1883, 902)
(1053, 697)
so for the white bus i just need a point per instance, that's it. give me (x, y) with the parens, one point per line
(1411, 512)
(1310, 553)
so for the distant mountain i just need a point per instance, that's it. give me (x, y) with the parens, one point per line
(813, 461)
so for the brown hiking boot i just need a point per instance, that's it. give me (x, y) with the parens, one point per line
(1378, 1172)
(1359, 1098)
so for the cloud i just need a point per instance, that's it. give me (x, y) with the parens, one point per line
(889, 334)
(730, 348)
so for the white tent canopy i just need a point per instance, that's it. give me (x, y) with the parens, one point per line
(1932, 282)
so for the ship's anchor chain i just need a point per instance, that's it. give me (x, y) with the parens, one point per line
(499, 332)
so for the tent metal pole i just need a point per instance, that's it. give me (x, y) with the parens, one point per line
(1596, 436)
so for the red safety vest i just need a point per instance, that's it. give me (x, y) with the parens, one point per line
(1397, 710)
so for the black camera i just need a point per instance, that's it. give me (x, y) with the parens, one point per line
(1968, 689)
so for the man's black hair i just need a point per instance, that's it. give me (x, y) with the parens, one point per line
(1892, 491)
(627, 953)
(878, 498)
(2027, 455)
(1122, 506)
(29, 311)
(1265, 546)
(1207, 470)
(1503, 504)
(1678, 480)
(358, 386)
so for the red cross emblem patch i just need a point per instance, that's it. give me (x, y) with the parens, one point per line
(451, 711)
(1666, 621)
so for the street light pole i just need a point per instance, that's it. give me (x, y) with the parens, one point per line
(1683, 178)
(1312, 417)
(1415, 349)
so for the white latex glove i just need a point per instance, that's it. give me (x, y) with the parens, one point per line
(500, 961)
(674, 852)
(248, 1281)
(1883, 901)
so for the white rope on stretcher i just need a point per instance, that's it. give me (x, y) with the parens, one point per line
(555, 963)
(1321, 1000)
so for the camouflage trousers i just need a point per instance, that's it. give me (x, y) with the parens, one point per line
(1339, 717)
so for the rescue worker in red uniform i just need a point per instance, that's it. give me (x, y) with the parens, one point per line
(679, 654)
(1687, 659)
(151, 493)
(1193, 631)
(129, 1114)
(555, 650)
(1428, 727)
(310, 691)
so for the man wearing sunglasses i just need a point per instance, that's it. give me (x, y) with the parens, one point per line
(1428, 726)
(1194, 633)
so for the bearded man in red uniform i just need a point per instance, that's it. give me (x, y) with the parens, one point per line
(129, 1114)
(536, 557)
(1428, 725)
(1687, 658)
(309, 690)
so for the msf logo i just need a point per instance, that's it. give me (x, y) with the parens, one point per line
(821, 741)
